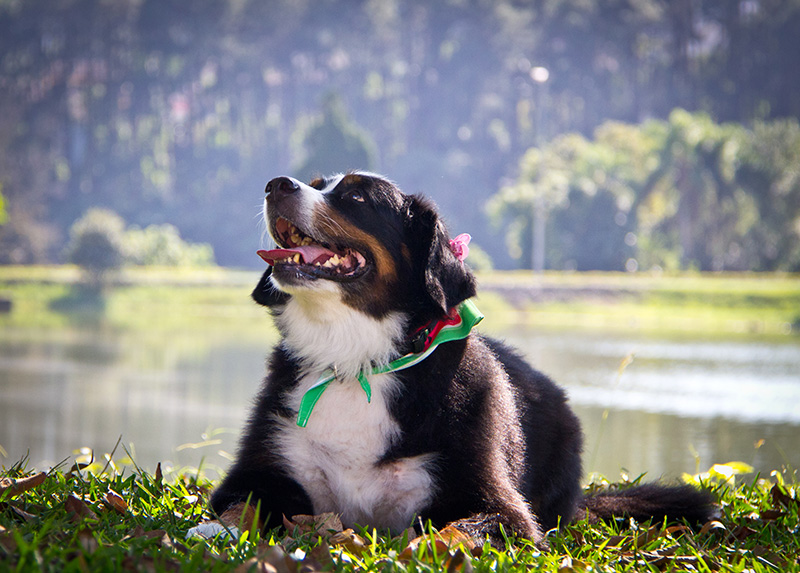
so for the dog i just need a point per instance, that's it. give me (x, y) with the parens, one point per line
(383, 405)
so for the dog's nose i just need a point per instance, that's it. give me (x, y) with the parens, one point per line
(281, 186)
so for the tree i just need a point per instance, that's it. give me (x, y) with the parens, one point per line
(159, 109)
(542, 185)
(769, 171)
(692, 202)
(162, 245)
(335, 144)
(585, 189)
(96, 244)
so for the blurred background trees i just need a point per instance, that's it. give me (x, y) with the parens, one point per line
(100, 244)
(96, 244)
(665, 133)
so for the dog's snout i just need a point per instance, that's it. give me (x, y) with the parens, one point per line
(281, 186)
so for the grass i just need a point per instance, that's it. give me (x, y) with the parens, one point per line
(98, 518)
(704, 304)
(152, 298)
(172, 299)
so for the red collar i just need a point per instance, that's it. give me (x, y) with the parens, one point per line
(421, 339)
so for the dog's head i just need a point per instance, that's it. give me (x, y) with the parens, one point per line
(358, 239)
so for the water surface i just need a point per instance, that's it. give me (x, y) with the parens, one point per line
(181, 398)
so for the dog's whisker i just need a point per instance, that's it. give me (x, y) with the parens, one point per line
(333, 225)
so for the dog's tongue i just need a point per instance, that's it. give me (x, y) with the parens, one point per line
(310, 254)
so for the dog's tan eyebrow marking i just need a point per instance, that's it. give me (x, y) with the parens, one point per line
(352, 179)
(318, 183)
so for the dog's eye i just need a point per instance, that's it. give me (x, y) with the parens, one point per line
(355, 196)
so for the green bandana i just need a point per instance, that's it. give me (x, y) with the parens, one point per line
(456, 328)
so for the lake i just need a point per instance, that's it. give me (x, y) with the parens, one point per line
(660, 406)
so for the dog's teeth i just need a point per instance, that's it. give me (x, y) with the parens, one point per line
(295, 239)
(296, 258)
(305, 242)
(328, 264)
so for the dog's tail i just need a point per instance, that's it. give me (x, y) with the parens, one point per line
(651, 501)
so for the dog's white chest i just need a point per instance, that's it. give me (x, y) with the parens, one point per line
(336, 457)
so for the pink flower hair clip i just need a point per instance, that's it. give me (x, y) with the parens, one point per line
(459, 246)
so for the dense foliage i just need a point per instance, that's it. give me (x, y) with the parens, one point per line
(178, 112)
(99, 243)
(675, 194)
(96, 243)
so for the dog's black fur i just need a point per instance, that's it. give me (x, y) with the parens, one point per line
(503, 444)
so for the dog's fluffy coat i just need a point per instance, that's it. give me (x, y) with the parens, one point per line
(471, 435)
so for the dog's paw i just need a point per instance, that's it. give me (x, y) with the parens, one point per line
(211, 529)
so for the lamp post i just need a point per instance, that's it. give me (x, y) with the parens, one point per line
(539, 75)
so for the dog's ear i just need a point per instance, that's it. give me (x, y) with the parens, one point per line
(444, 280)
(265, 292)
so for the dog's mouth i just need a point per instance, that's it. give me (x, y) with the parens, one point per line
(297, 251)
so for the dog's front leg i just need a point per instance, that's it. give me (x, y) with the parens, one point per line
(501, 513)
(496, 526)
(245, 490)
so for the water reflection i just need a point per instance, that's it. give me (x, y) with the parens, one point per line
(746, 381)
(676, 403)
(665, 406)
(158, 393)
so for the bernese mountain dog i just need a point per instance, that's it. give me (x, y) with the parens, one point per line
(382, 405)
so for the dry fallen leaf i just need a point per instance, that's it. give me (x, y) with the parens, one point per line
(617, 540)
(713, 525)
(676, 531)
(79, 508)
(767, 554)
(159, 477)
(253, 565)
(78, 468)
(167, 541)
(274, 558)
(323, 524)
(577, 536)
(16, 487)
(241, 516)
(140, 533)
(570, 565)
(87, 541)
(318, 559)
(459, 562)
(779, 497)
(8, 544)
(349, 540)
(667, 562)
(7, 541)
(742, 532)
(444, 540)
(148, 564)
(114, 500)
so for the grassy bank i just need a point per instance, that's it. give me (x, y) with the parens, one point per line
(76, 520)
(701, 304)
(152, 298)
